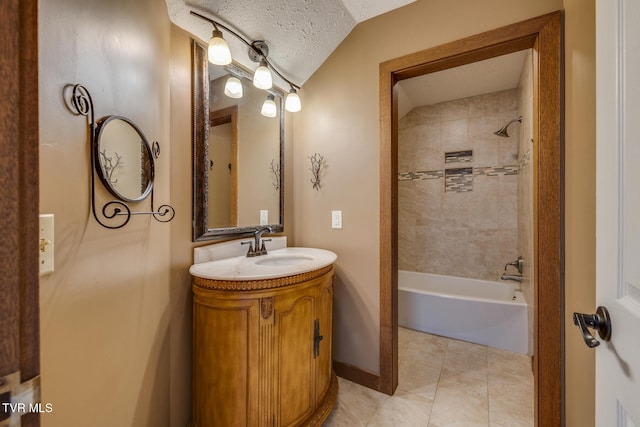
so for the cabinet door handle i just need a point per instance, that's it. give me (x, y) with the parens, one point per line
(316, 338)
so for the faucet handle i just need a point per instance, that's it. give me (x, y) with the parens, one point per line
(251, 252)
(263, 248)
(517, 263)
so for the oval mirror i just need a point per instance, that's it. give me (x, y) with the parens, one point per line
(123, 159)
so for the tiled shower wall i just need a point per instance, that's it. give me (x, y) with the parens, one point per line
(525, 185)
(471, 229)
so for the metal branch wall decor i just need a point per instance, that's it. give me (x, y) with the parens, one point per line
(317, 163)
(128, 177)
(275, 171)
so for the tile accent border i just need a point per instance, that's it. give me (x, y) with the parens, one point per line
(477, 171)
(420, 175)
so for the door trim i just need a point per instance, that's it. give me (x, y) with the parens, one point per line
(19, 143)
(544, 35)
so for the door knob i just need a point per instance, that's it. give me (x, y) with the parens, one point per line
(600, 321)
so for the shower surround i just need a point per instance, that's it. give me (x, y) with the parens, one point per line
(458, 187)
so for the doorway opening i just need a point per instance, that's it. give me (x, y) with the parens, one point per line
(543, 36)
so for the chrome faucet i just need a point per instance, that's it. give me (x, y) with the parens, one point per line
(259, 247)
(518, 264)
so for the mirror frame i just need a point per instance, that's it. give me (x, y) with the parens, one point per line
(101, 125)
(201, 123)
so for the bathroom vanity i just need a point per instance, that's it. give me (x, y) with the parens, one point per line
(262, 339)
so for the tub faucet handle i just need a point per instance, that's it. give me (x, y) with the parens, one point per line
(516, 263)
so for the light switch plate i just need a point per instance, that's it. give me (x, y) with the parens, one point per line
(264, 217)
(46, 244)
(336, 219)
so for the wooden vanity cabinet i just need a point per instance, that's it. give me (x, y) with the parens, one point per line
(262, 351)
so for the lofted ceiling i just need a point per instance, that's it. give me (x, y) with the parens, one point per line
(478, 78)
(301, 34)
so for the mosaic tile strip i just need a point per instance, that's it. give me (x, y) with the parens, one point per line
(476, 171)
(496, 170)
(465, 156)
(458, 180)
(421, 175)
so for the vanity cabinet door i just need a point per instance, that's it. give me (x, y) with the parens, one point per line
(225, 362)
(295, 370)
(324, 307)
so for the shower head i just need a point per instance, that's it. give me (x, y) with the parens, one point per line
(503, 130)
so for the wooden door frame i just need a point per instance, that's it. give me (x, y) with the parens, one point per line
(221, 117)
(19, 309)
(544, 35)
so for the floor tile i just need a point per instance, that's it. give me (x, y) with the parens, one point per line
(443, 383)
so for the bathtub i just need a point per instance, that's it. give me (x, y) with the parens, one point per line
(478, 311)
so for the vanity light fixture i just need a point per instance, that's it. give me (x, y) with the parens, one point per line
(218, 51)
(269, 108)
(262, 77)
(258, 52)
(233, 87)
(292, 102)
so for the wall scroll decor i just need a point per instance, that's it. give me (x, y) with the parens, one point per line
(123, 160)
(317, 162)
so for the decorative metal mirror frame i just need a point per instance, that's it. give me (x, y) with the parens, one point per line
(201, 123)
(102, 123)
(117, 212)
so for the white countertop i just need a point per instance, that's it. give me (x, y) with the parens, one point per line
(277, 263)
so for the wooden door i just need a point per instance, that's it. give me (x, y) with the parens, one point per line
(618, 210)
(19, 311)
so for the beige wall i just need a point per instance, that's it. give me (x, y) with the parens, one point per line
(181, 247)
(580, 140)
(106, 311)
(339, 120)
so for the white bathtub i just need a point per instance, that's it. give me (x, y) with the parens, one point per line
(479, 311)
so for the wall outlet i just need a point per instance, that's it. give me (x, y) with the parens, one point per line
(46, 244)
(264, 217)
(336, 219)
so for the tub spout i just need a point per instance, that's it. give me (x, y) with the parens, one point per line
(515, 277)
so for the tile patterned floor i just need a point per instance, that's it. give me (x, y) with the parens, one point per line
(443, 382)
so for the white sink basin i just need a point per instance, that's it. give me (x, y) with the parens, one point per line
(277, 263)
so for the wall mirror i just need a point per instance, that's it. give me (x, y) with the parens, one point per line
(238, 153)
(124, 159)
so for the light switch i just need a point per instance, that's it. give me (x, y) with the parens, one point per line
(336, 219)
(46, 244)
(264, 217)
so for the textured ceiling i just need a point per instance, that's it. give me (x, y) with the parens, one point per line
(301, 34)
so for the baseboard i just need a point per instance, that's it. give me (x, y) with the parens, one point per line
(357, 375)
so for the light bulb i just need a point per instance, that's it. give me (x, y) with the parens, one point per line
(219, 52)
(269, 108)
(292, 103)
(262, 76)
(233, 88)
